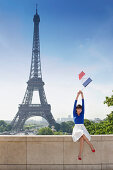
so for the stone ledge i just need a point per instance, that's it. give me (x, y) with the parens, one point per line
(50, 138)
(30, 152)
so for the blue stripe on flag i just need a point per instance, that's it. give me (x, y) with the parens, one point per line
(87, 82)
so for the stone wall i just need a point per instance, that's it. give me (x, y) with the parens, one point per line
(54, 152)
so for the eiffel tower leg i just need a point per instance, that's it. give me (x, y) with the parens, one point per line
(13, 121)
(50, 119)
(20, 126)
(42, 95)
(16, 124)
(28, 96)
(22, 123)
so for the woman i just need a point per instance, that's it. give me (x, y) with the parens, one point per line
(79, 131)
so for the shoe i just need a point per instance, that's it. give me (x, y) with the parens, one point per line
(79, 158)
(93, 150)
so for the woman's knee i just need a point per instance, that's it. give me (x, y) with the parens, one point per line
(85, 138)
(81, 138)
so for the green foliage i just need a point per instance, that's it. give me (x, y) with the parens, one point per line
(45, 131)
(63, 129)
(28, 127)
(57, 126)
(103, 127)
(109, 100)
(4, 126)
(90, 126)
(3, 123)
(58, 133)
(67, 126)
(87, 122)
(8, 127)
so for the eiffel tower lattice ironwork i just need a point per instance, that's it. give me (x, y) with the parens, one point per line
(35, 83)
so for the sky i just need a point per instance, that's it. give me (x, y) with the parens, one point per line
(75, 36)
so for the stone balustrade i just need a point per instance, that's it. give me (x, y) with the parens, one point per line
(54, 152)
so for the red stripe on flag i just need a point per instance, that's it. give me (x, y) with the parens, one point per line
(81, 75)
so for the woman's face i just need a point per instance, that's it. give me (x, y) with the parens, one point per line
(79, 110)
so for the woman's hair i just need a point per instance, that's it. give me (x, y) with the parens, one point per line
(78, 106)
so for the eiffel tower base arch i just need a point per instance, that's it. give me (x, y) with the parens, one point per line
(23, 117)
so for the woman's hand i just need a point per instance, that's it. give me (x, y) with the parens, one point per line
(79, 92)
(78, 95)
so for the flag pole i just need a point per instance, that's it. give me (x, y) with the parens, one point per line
(83, 88)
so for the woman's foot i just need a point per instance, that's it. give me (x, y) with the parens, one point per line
(79, 157)
(92, 148)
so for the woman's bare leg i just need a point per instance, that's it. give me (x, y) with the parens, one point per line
(88, 142)
(81, 146)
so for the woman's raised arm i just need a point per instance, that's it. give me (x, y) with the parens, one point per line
(78, 95)
(82, 101)
(81, 94)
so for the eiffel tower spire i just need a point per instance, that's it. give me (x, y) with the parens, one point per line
(36, 8)
(36, 63)
(35, 83)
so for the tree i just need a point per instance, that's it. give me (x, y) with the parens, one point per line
(109, 100)
(45, 131)
(67, 126)
(3, 125)
(57, 126)
(87, 122)
(8, 127)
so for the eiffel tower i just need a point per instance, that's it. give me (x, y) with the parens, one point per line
(35, 83)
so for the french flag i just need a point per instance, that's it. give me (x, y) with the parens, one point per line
(81, 75)
(87, 81)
